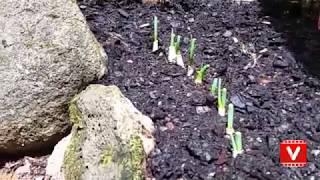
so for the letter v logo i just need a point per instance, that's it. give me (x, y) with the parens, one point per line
(293, 155)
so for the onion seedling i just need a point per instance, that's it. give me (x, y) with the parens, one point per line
(214, 87)
(230, 129)
(192, 49)
(236, 143)
(178, 52)
(155, 34)
(172, 50)
(222, 98)
(201, 73)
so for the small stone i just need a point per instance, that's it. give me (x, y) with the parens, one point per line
(130, 61)
(211, 174)
(185, 40)
(315, 152)
(170, 125)
(266, 22)
(123, 13)
(166, 79)
(198, 98)
(210, 98)
(162, 128)
(175, 24)
(283, 127)
(235, 40)
(227, 34)
(191, 20)
(118, 73)
(202, 109)
(144, 25)
(82, 6)
(237, 101)
(153, 94)
(25, 169)
(208, 157)
(259, 139)
(216, 34)
(252, 78)
(279, 63)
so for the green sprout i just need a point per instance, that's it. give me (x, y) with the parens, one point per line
(201, 74)
(172, 49)
(178, 52)
(214, 87)
(177, 44)
(230, 129)
(192, 49)
(222, 98)
(155, 34)
(236, 143)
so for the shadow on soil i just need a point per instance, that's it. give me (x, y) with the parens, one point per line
(299, 29)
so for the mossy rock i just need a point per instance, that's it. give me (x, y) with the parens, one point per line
(107, 140)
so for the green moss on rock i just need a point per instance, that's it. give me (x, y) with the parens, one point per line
(107, 156)
(73, 164)
(75, 114)
(137, 158)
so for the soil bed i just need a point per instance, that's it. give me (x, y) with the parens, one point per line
(275, 100)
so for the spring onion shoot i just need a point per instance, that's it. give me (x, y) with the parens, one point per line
(236, 143)
(192, 49)
(230, 129)
(172, 50)
(178, 52)
(155, 34)
(222, 98)
(201, 74)
(214, 87)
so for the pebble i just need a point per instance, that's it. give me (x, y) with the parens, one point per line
(315, 152)
(118, 73)
(153, 94)
(237, 101)
(175, 24)
(202, 109)
(198, 98)
(123, 13)
(227, 34)
(162, 128)
(191, 20)
(279, 63)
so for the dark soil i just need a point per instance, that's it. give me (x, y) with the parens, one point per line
(275, 100)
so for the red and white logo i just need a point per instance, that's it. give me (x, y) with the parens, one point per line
(293, 153)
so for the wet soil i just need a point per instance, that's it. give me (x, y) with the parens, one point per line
(275, 99)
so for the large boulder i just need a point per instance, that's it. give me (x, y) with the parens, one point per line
(109, 140)
(47, 54)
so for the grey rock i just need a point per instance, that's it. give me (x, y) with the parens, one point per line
(227, 34)
(175, 24)
(237, 101)
(49, 54)
(123, 13)
(198, 98)
(280, 63)
(110, 138)
(202, 109)
(55, 160)
(191, 20)
(153, 94)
